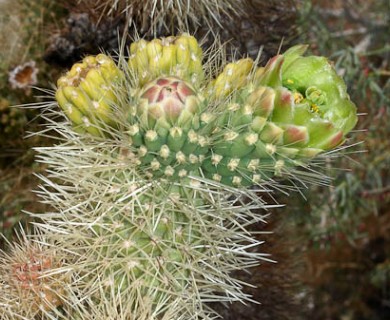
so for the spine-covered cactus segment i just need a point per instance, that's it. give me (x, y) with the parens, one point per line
(273, 118)
(149, 194)
(164, 248)
(33, 279)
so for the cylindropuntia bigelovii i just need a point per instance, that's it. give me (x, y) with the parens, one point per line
(150, 196)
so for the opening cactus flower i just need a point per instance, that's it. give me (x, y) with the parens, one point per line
(317, 81)
(314, 111)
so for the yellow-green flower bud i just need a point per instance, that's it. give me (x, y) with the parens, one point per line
(172, 56)
(86, 93)
(234, 77)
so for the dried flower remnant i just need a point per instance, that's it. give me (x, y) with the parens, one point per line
(24, 76)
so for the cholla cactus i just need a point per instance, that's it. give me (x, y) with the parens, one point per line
(31, 280)
(149, 192)
(155, 16)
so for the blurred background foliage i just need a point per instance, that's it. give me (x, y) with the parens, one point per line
(332, 243)
(347, 225)
(23, 37)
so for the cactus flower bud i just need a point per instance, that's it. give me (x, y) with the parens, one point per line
(169, 97)
(172, 56)
(86, 93)
(317, 80)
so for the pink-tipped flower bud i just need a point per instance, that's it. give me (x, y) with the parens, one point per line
(170, 98)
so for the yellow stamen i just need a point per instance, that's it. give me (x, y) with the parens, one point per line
(315, 108)
(297, 97)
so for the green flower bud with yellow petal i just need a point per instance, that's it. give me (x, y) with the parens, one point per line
(316, 79)
(233, 77)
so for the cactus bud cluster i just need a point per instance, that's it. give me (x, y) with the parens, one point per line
(247, 124)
